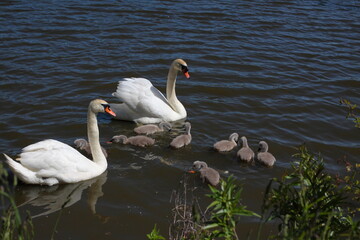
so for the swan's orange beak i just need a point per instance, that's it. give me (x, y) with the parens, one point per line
(187, 75)
(191, 171)
(109, 111)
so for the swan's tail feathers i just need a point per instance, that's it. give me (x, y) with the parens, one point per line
(20, 171)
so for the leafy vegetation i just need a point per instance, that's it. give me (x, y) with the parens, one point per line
(11, 225)
(352, 111)
(309, 203)
(226, 210)
(220, 218)
(155, 234)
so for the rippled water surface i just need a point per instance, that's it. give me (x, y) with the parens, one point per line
(269, 70)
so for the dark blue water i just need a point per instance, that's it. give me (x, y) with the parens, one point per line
(269, 70)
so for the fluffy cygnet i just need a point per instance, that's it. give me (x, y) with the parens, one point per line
(245, 153)
(82, 144)
(152, 128)
(264, 156)
(227, 145)
(184, 139)
(140, 141)
(207, 174)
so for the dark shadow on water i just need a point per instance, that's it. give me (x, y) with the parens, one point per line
(48, 200)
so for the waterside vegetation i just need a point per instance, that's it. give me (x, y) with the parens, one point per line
(12, 226)
(306, 203)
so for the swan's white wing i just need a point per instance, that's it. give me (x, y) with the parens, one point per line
(52, 156)
(142, 98)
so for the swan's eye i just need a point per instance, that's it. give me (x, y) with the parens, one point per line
(184, 69)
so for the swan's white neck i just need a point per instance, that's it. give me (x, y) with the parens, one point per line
(245, 144)
(170, 91)
(93, 136)
(188, 130)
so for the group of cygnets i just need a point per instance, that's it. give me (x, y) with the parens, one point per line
(141, 140)
(246, 153)
(207, 174)
(50, 162)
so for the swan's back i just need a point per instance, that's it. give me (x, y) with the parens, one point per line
(147, 129)
(55, 156)
(263, 156)
(141, 141)
(210, 175)
(246, 154)
(181, 141)
(266, 158)
(142, 102)
(224, 146)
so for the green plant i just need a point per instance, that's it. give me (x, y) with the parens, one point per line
(226, 210)
(218, 221)
(11, 225)
(352, 111)
(307, 202)
(155, 234)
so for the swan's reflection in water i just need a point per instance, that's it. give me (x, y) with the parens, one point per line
(57, 197)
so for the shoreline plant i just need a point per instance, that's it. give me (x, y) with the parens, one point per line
(307, 203)
(11, 225)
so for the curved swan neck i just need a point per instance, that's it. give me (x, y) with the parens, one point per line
(234, 137)
(93, 136)
(170, 90)
(187, 129)
(171, 82)
(245, 143)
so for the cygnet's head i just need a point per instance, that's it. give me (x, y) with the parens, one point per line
(198, 165)
(234, 136)
(118, 139)
(165, 126)
(80, 143)
(263, 146)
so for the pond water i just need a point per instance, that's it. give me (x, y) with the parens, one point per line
(268, 70)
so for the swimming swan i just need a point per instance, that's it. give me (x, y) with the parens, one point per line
(140, 140)
(50, 162)
(245, 153)
(183, 139)
(143, 103)
(264, 156)
(152, 128)
(207, 174)
(227, 145)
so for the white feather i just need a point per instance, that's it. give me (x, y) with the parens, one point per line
(143, 103)
(51, 162)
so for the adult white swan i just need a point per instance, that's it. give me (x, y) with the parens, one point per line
(50, 162)
(143, 103)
